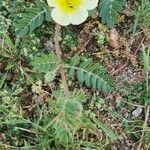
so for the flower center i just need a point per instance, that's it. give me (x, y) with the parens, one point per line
(68, 6)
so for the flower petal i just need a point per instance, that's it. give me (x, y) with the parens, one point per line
(79, 16)
(51, 3)
(90, 4)
(60, 18)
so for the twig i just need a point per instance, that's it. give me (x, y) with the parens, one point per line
(83, 45)
(59, 54)
(137, 49)
(13, 147)
(136, 105)
(118, 69)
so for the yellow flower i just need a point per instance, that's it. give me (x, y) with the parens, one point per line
(67, 12)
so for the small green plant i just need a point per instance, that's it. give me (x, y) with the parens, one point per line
(146, 60)
(69, 40)
(54, 98)
(142, 16)
(7, 48)
(134, 93)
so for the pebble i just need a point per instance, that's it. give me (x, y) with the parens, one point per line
(137, 112)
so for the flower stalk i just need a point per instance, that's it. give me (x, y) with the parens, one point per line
(59, 55)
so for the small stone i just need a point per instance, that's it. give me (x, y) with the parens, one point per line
(9, 76)
(136, 113)
(126, 115)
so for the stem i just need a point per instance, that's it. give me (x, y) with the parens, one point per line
(147, 82)
(144, 126)
(59, 55)
(147, 111)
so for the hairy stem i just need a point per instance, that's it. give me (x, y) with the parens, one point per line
(59, 54)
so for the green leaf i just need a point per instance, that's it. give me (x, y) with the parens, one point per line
(106, 129)
(73, 108)
(45, 63)
(146, 58)
(80, 76)
(92, 75)
(109, 11)
(75, 60)
(32, 18)
(49, 76)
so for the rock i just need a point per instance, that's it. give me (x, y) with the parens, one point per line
(137, 112)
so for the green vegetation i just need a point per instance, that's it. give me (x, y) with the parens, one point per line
(96, 96)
